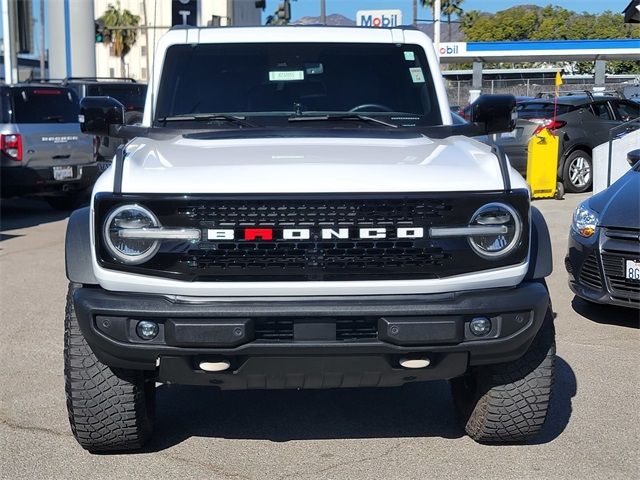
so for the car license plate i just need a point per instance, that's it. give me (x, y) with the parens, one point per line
(62, 173)
(632, 270)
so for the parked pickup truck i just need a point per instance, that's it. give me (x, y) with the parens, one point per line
(297, 210)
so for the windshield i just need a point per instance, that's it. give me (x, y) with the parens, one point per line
(44, 105)
(280, 80)
(131, 96)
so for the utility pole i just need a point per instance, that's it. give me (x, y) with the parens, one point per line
(436, 25)
(323, 12)
(9, 41)
(42, 52)
(146, 38)
(415, 13)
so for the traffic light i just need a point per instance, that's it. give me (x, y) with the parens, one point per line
(99, 29)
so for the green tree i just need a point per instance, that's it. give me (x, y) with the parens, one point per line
(469, 19)
(447, 8)
(551, 23)
(120, 31)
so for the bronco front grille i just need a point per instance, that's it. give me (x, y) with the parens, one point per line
(315, 258)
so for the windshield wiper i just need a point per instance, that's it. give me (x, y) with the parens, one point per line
(208, 117)
(340, 116)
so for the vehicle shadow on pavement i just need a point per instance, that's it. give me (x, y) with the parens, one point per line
(607, 314)
(24, 213)
(415, 410)
(560, 410)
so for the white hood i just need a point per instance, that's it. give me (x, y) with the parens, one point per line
(308, 165)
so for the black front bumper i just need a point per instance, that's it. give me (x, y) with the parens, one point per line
(21, 180)
(319, 342)
(588, 277)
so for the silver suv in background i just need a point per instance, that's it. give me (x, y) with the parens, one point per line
(41, 149)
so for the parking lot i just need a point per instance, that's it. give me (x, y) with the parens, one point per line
(411, 432)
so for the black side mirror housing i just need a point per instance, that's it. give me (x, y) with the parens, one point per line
(99, 114)
(494, 113)
(633, 157)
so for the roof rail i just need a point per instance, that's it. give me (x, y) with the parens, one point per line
(569, 93)
(99, 79)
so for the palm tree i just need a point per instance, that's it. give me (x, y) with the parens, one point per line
(120, 31)
(469, 19)
(451, 7)
(448, 7)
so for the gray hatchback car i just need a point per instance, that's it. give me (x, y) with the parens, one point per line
(42, 151)
(582, 123)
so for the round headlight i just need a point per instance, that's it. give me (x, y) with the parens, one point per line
(505, 228)
(131, 251)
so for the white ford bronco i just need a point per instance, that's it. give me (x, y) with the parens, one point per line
(297, 210)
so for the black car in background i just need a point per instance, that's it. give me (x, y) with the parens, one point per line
(127, 91)
(581, 121)
(603, 260)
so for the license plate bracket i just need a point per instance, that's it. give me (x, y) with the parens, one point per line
(63, 173)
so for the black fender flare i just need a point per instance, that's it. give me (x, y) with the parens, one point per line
(77, 248)
(540, 254)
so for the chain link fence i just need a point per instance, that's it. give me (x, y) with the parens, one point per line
(458, 90)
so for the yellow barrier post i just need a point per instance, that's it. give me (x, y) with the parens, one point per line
(542, 165)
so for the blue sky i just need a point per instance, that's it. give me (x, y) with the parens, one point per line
(348, 8)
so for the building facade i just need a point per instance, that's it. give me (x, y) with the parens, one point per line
(155, 20)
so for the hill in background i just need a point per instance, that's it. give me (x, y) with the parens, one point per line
(336, 19)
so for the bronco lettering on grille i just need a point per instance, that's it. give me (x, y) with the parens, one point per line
(258, 234)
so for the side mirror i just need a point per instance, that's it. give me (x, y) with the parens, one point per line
(98, 114)
(633, 157)
(494, 113)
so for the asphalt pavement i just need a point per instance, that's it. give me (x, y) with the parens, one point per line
(593, 430)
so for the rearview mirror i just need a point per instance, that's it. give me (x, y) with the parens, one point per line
(494, 113)
(633, 157)
(98, 114)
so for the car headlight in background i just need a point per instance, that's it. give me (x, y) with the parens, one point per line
(131, 251)
(585, 221)
(494, 231)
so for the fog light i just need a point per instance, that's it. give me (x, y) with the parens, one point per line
(480, 326)
(147, 330)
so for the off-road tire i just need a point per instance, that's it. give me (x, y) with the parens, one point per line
(109, 409)
(508, 403)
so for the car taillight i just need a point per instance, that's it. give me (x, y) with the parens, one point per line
(549, 124)
(11, 145)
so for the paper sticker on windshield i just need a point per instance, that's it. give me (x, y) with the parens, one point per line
(416, 75)
(286, 76)
(409, 56)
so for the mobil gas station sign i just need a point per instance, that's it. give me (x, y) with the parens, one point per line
(379, 18)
